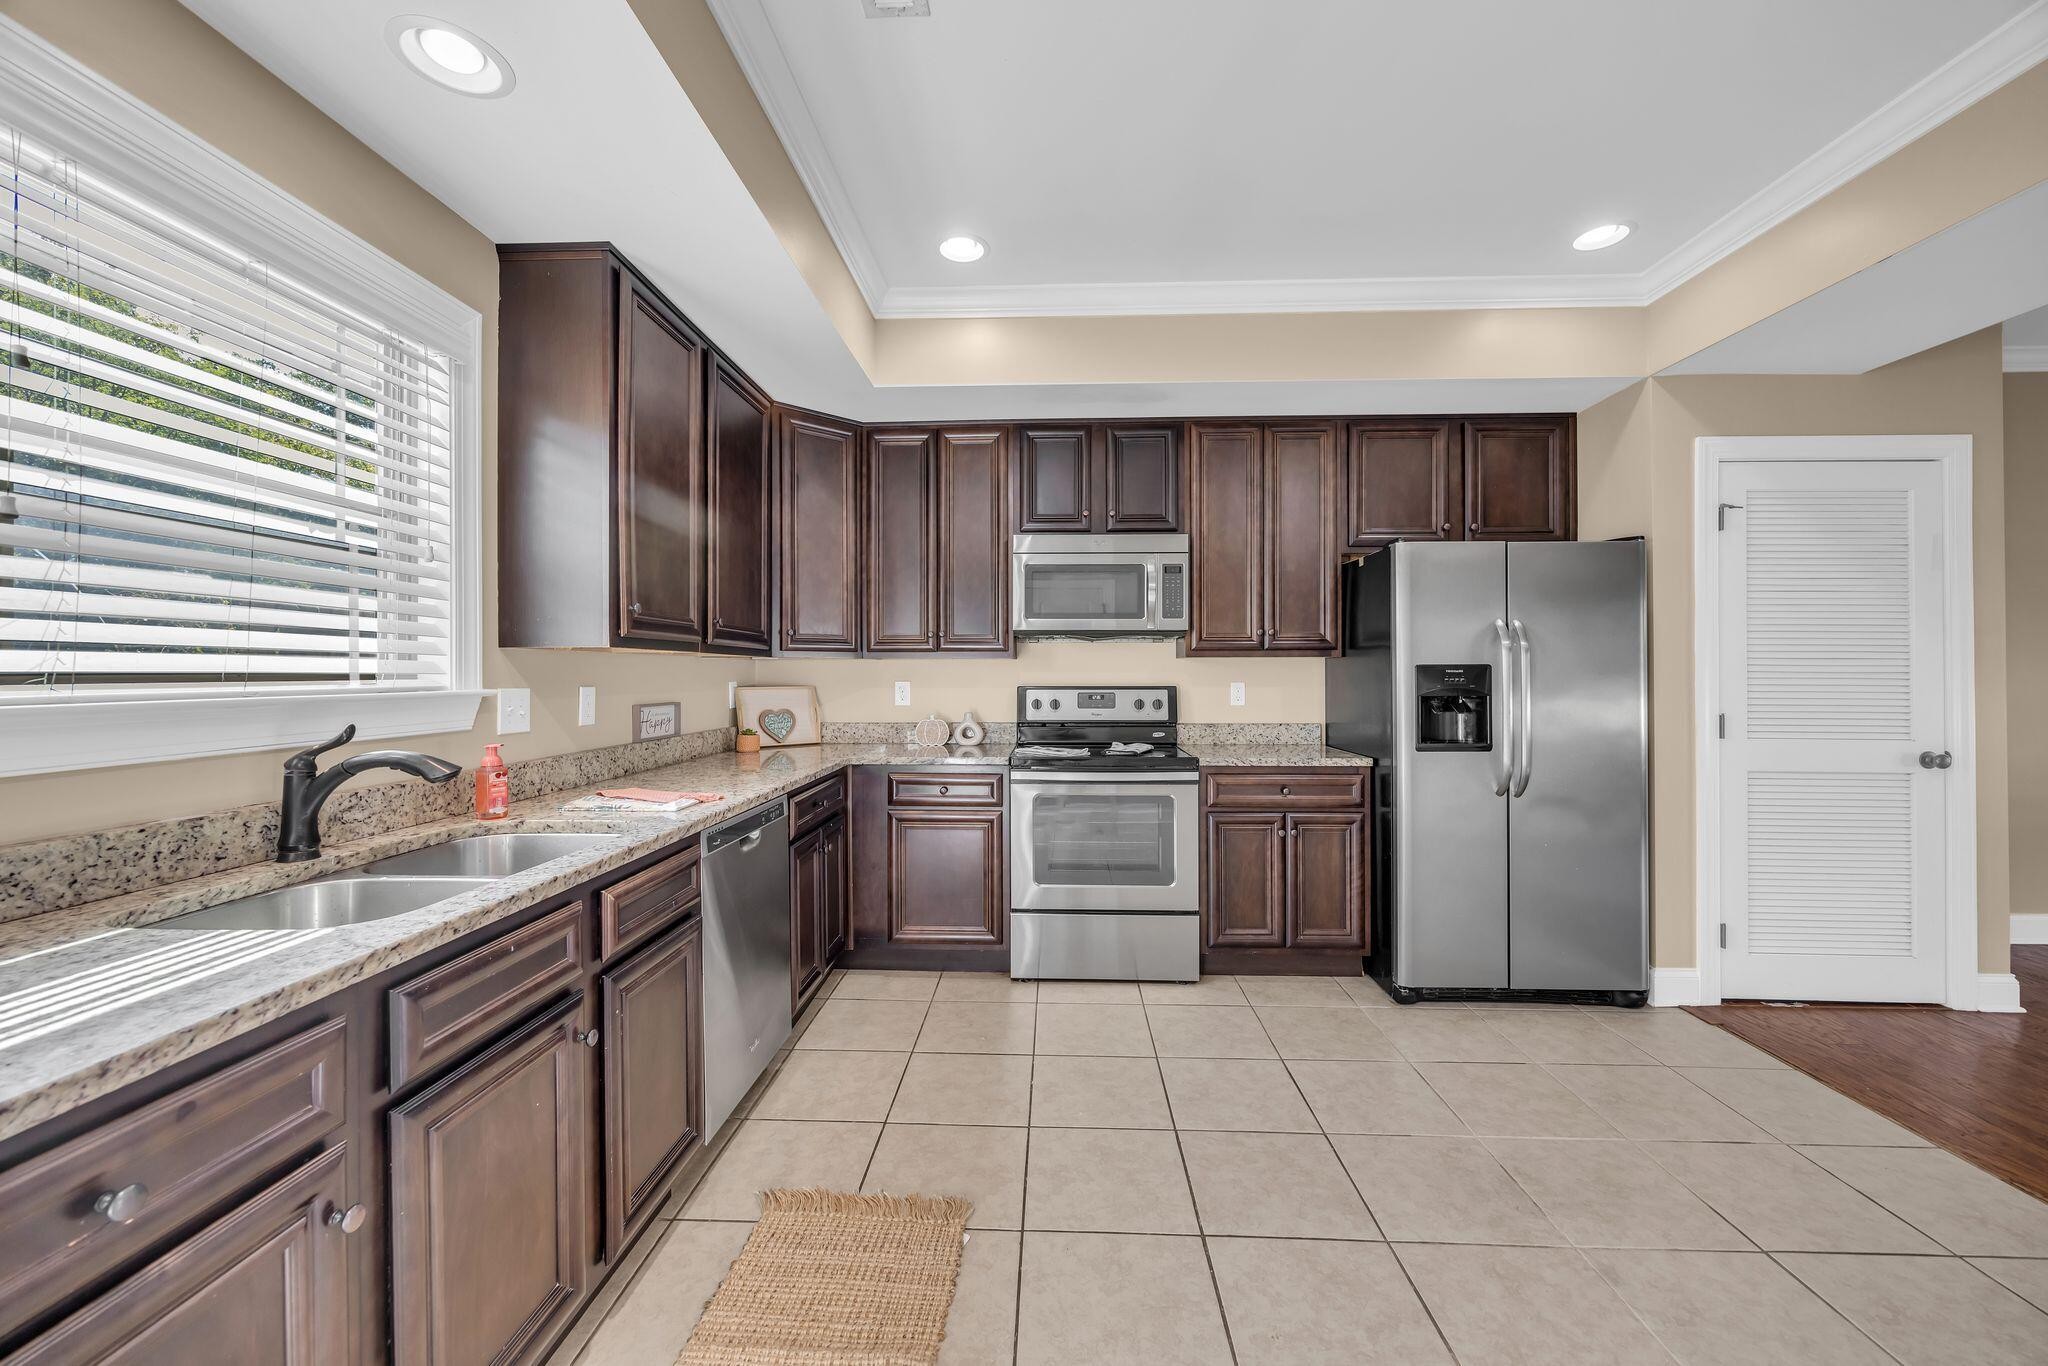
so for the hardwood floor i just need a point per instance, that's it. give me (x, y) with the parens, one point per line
(1976, 1085)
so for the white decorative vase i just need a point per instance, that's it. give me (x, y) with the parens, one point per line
(969, 732)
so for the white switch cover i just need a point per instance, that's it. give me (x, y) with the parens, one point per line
(586, 706)
(732, 693)
(515, 711)
(1237, 694)
(902, 694)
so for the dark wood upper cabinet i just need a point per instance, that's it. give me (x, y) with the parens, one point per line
(1301, 537)
(817, 534)
(661, 471)
(1097, 477)
(1519, 479)
(1405, 482)
(901, 611)
(490, 1195)
(1056, 488)
(1226, 530)
(653, 1076)
(973, 568)
(741, 513)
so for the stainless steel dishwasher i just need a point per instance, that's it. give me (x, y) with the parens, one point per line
(746, 954)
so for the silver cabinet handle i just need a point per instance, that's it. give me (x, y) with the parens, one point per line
(588, 1038)
(347, 1220)
(1504, 695)
(123, 1206)
(1524, 690)
(1929, 759)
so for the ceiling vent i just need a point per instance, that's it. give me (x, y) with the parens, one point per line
(897, 9)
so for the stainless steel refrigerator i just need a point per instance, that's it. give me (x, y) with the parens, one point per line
(1501, 689)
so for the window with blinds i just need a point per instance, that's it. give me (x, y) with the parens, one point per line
(213, 477)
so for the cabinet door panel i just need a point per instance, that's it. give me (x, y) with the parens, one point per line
(490, 1175)
(1226, 515)
(660, 472)
(806, 915)
(1244, 886)
(1326, 881)
(901, 613)
(1055, 479)
(818, 534)
(974, 543)
(737, 532)
(1518, 479)
(1301, 537)
(838, 893)
(653, 1076)
(1405, 483)
(1141, 478)
(945, 877)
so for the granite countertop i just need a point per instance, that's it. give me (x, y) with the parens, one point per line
(157, 993)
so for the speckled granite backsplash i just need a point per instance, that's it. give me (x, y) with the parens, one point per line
(69, 870)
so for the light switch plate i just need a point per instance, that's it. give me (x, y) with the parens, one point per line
(902, 694)
(586, 706)
(1237, 694)
(515, 711)
(656, 720)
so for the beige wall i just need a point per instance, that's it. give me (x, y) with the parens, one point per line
(163, 55)
(1636, 478)
(2026, 632)
(862, 689)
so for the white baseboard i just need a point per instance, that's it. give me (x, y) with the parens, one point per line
(1999, 992)
(1681, 987)
(2030, 928)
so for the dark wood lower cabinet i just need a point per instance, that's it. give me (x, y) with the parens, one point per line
(946, 877)
(1287, 885)
(838, 907)
(265, 1285)
(653, 1076)
(1326, 880)
(807, 956)
(489, 1189)
(1247, 880)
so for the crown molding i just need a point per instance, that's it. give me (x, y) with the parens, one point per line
(2026, 359)
(2001, 55)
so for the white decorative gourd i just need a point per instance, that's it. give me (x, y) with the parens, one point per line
(931, 731)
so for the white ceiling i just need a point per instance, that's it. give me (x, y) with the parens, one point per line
(1213, 155)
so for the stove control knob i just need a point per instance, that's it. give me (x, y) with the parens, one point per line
(1036, 703)
(1055, 704)
(1137, 704)
(1158, 703)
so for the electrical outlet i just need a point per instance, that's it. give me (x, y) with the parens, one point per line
(1237, 694)
(586, 706)
(902, 694)
(656, 720)
(515, 711)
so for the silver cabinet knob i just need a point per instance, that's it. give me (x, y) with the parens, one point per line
(588, 1038)
(635, 609)
(1929, 759)
(1286, 791)
(347, 1220)
(1447, 526)
(943, 789)
(124, 1205)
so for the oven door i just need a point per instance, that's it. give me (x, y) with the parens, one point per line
(1104, 842)
(1085, 594)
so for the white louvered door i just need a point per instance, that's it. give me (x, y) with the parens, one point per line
(1833, 684)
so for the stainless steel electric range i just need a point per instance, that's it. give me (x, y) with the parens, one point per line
(1104, 838)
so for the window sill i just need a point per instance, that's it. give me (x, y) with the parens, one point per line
(53, 737)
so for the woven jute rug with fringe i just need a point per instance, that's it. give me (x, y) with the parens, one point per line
(828, 1279)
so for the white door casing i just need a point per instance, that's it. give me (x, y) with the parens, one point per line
(1837, 865)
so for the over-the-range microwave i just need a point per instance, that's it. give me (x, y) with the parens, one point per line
(1116, 585)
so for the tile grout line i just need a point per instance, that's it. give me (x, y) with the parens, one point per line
(1194, 1205)
(1815, 1292)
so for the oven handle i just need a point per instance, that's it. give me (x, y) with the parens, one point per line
(1187, 776)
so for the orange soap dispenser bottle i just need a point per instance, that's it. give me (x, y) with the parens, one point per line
(493, 786)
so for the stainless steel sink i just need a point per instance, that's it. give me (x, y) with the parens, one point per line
(325, 904)
(482, 856)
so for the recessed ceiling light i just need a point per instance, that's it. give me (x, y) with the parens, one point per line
(449, 55)
(963, 249)
(1606, 235)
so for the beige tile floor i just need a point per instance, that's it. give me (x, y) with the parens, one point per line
(1273, 1171)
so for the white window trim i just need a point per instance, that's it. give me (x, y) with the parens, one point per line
(44, 90)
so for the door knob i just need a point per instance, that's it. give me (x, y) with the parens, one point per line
(1929, 759)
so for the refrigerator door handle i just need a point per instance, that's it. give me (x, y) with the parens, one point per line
(1503, 751)
(1524, 692)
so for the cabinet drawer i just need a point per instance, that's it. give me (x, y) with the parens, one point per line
(629, 911)
(945, 789)
(440, 1015)
(79, 1209)
(816, 802)
(1264, 790)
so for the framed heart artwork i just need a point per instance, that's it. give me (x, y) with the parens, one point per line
(783, 714)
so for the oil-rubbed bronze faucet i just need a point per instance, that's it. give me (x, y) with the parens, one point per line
(306, 789)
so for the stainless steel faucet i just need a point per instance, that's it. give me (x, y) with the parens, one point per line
(306, 789)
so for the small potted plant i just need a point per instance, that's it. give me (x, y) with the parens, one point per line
(749, 741)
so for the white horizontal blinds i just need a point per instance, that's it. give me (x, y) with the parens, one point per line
(211, 476)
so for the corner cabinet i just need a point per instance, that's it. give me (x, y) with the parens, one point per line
(633, 466)
(1262, 512)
